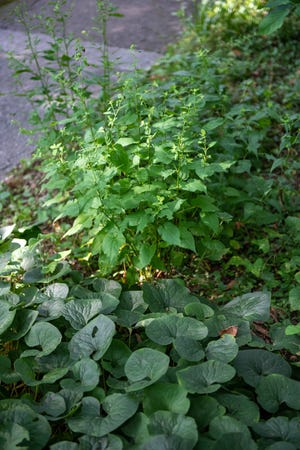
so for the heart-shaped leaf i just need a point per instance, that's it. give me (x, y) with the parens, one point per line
(166, 329)
(144, 367)
(86, 374)
(93, 339)
(118, 409)
(167, 294)
(253, 364)
(171, 424)
(280, 429)
(23, 321)
(79, 312)
(252, 306)
(205, 377)
(275, 389)
(6, 315)
(165, 396)
(225, 424)
(42, 334)
(16, 412)
(224, 349)
(240, 407)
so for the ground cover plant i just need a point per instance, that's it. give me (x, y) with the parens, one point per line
(188, 171)
(88, 364)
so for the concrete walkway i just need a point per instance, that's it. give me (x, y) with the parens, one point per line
(148, 25)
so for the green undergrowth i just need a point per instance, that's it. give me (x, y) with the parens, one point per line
(86, 363)
(141, 249)
(190, 168)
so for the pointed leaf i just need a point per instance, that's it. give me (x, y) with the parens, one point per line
(170, 233)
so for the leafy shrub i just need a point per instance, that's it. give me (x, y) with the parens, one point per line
(85, 364)
(278, 11)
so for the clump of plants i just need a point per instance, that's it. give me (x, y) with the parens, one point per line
(85, 362)
(188, 170)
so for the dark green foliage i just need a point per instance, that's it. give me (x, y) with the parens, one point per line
(74, 374)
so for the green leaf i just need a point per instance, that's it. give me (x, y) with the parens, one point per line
(166, 443)
(112, 243)
(16, 412)
(144, 367)
(93, 339)
(12, 436)
(7, 375)
(64, 445)
(110, 287)
(6, 315)
(204, 378)
(204, 409)
(292, 329)
(125, 142)
(170, 233)
(275, 389)
(221, 425)
(193, 186)
(224, 349)
(274, 20)
(145, 256)
(86, 373)
(252, 365)
(25, 368)
(166, 329)
(235, 441)
(172, 424)
(187, 239)
(167, 294)
(23, 321)
(42, 334)
(189, 349)
(109, 442)
(118, 409)
(240, 407)
(80, 311)
(252, 306)
(57, 290)
(294, 298)
(165, 396)
(280, 429)
(115, 358)
(5, 232)
(199, 310)
(52, 405)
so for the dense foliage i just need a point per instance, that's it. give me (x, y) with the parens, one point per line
(88, 364)
(188, 171)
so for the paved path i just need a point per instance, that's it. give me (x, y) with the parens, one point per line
(148, 25)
